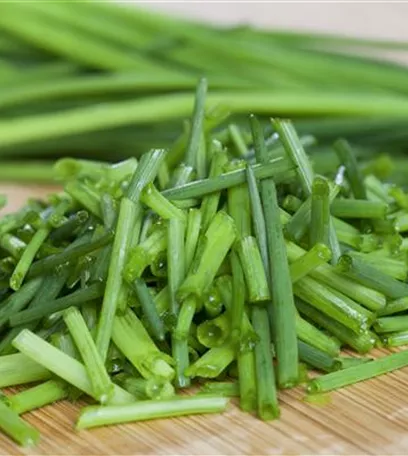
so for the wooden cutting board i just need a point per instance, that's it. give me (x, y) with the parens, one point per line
(367, 418)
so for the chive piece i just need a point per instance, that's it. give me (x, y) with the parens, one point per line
(348, 158)
(391, 324)
(309, 261)
(149, 308)
(395, 339)
(81, 296)
(13, 245)
(209, 204)
(27, 258)
(101, 416)
(359, 209)
(238, 296)
(316, 358)
(176, 260)
(239, 203)
(371, 277)
(102, 387)
(267, 401)
(74, 222)
(38, 396)
(236, 138)
(215, 332)
(18, 369)
(320, 212)
(212, 363)
(20, 431)
(294, 149)
(306, 332)
(334, 304)
(194, 226)
(359, 373)
(254, 272)
(69, 369)
(395, 306)
(86, 196)
(350, 361)
(362, 343)
(225, 389)
(132, 339)
(279, 169)
(216, 243)
(197, 124)
(247, 380)
(152, 198)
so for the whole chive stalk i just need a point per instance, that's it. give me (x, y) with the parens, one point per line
(394, 307)
(152, 198)
(359, 373)
(147, 410)
(216, 243)
(68, 255)
(326, 274)
(19, 300)
(316, 358)
(77, 298)
(309, 261)
(149, 308)
(334, 304)
(320, 212)
(145, 253)
(279, 169)
(13, 245)
(225, 389)
(391, 324)
(102, 387)
(69, 369)
(18, 369)
(209, 204)
(367, 275)
(267, 401)
(16, 428)
(38, 396)
(358, 209)
(27, 258)
(212, 363)
(306, 332)
(129, 212)
(132, 339)
(254, 272)
(355, 177)
(215, 332)
(237, 309)
(362, 343)
(194, 227)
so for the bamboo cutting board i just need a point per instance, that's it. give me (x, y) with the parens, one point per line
(367, 418)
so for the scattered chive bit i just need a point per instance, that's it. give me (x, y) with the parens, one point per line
(236, 263)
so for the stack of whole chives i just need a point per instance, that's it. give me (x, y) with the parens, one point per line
(136, 281)
(107, 82)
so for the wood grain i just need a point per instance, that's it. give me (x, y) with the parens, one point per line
(367, 418)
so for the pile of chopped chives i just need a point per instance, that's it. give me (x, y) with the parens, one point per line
(108, 82)
(232, 270)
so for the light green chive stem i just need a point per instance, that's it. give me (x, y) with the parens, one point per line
(152, 198)
(16, 428)
(320, 212)
(194, 227)
(309, 261)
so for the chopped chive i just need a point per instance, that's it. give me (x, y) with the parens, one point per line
(316, 358)
(395, 339)
(93, 416)
(149, 308)
(360, 209)
(267, 401)
(152, 198)
(306, 332)
(20, 431)
(320, 212)
(391, 324)
(69, 369)
(359, 373)
(18, 369)
(350, 361)
(215, 332)
(254, 272)
(371, 277)
(102, 386)
(348, 158)
(38, 396)
(225, 389)
(236, 138)
(247, 380)
(176, 260)
(85, 196)
(74, 222)
(279, 169)
(309, 261)
(237, 309)
(395, 306)
(209, 204)
(194, 227)
(12, 244)
(81, 296)
(396, 269)
(212, 363)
